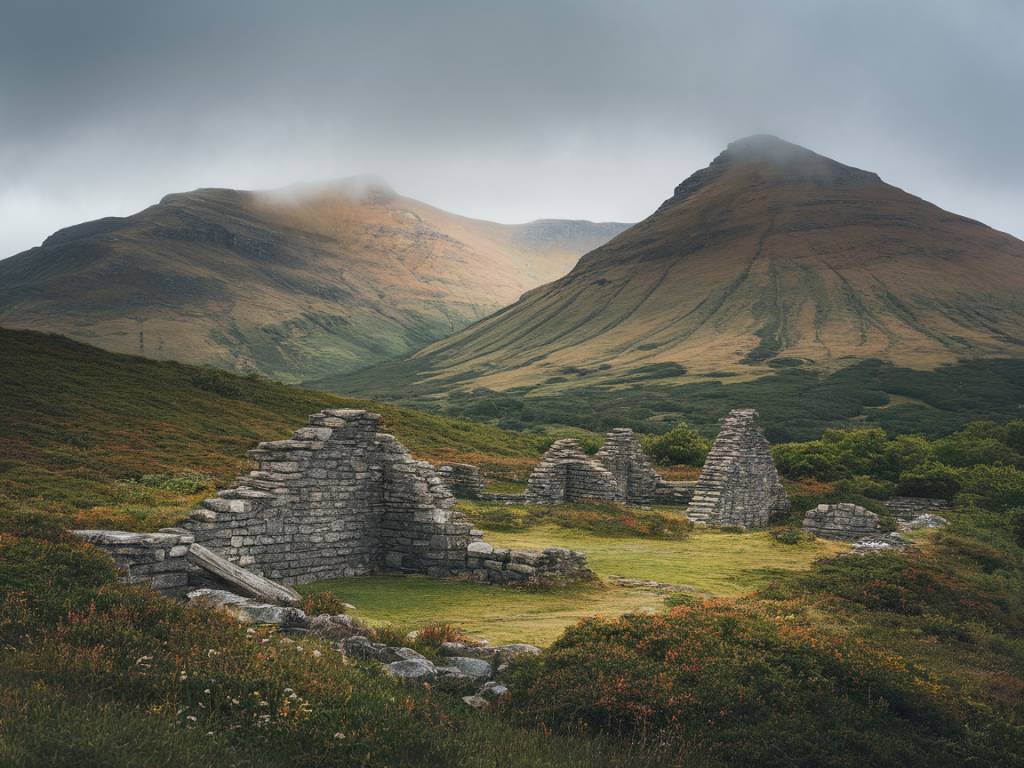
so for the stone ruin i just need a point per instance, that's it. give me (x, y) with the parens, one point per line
(843, 522)
(566, 473)
(338, 499)
(620, 471)
(624, 457)
(463, 480)
(739, 484)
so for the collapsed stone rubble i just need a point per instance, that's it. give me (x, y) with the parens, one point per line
(566, 474)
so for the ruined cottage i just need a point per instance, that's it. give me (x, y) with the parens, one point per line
(739, 484)
(342, 499)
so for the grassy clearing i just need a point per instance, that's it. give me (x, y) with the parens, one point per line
(708, 562)
(600, 518)
(500, 615)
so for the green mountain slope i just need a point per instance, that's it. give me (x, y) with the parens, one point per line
(291, 284)
(77, 422)
(772, 257)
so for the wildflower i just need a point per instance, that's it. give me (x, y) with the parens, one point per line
(207, 691)
(142, 661)
(191, 718)
(235, 702)
(339, 735)
(316, 654)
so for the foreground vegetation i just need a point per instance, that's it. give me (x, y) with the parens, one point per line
(778, 655)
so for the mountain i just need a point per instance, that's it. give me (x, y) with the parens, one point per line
(772, 257)
(293, 284)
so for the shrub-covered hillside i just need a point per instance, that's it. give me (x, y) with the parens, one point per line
(134, 440)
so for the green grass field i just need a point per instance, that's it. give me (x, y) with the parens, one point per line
(708, 562)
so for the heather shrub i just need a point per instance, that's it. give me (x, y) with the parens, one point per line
(747, 687)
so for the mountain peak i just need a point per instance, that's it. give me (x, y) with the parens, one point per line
(770, 159)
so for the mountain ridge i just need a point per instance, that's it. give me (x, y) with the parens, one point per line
(291, 283)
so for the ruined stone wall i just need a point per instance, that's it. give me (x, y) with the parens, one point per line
(739, 484)
(338, 499)
(463, 480)
(342, 499)
(566, 474)
(623, 456)
(674, 492)
(844, 521)
(157, 559)
(909, 507)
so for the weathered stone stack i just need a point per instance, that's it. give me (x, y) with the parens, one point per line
(624, 457)
(844, 522)
(341, 499)
(463, 480)
(566, 473)
(739, 484)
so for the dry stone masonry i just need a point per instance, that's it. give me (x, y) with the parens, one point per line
(463, 480)
(342, 499)
(619, 472)
(566, 473)
(157, 559)
(844, 522)
(739, 484)
(624, 457)
(909, 507)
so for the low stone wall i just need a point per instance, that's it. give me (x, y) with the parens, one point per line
(566, 473)
(674, 492)
(463, 480)
(157, 559)
(844, 522)
(512, 566)
(909, 507)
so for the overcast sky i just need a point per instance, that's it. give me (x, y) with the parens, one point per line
(503, 110)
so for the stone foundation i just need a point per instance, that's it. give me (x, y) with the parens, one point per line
(739, 484)
(463, 480)
(844, 522)
(676, 493)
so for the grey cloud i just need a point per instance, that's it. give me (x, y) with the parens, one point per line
(508, 111)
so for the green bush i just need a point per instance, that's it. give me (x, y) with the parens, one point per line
(998, 488)
(681, 445)
(931, 480)
(862, 485)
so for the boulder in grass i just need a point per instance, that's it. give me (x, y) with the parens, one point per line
(412, 670)
(476, 669)
(248, 610)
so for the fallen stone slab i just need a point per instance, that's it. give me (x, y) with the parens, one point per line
(927, 520)
(413, 670)
(245, 582)
(477, 669)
